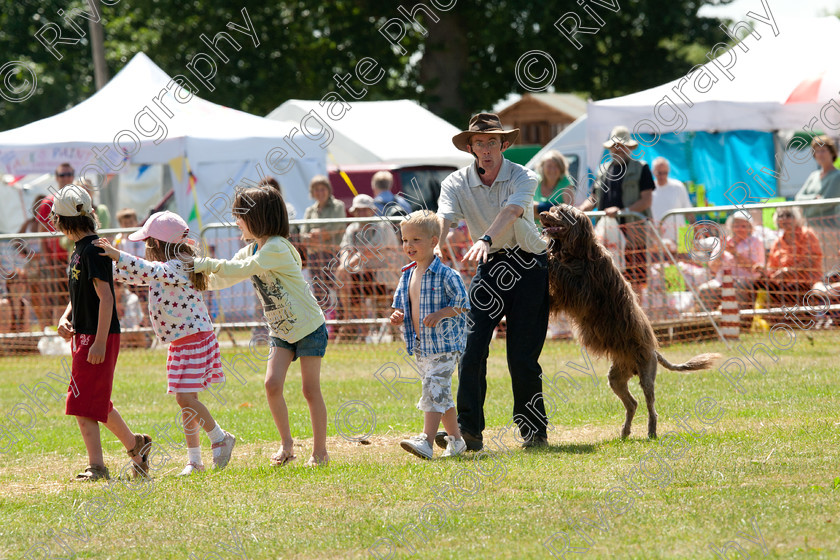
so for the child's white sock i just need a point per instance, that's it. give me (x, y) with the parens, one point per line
(217, 434)
(194, 455)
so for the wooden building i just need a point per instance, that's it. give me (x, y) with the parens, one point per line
(541, 116)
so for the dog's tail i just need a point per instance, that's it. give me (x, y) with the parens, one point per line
(701, 361)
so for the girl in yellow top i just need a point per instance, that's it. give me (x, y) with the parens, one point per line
(295, 321)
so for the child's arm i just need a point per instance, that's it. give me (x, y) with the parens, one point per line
(225, 273)
(107, 248)
(65, 327)
(458, 300)
(397, 317)
(139, 272)
(432, 319)
(96, 354)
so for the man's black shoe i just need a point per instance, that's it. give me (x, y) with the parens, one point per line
(473, 443)
(440, 439)
(535, 441)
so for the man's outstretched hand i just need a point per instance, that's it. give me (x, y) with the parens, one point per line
(477, 253)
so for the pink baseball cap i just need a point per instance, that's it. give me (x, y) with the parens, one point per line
(165, 226)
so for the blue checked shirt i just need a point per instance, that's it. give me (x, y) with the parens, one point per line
(440, 287)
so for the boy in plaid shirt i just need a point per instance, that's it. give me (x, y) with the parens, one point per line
(429, 301)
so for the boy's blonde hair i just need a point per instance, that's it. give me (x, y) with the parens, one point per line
(426, 220)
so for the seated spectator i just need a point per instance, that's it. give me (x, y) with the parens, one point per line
(458, 242)
(14, 284)
(25, 284)
(795, 260)
(32, 224)
(555, 184)
(46, 273)
(361, 272)
(669, 194)
(828, 290)
(127, 218)
(765, 234)
(128, 307)
(130, 311)
(321, 240)
(743, 254)
(387, 203)
(824, 220)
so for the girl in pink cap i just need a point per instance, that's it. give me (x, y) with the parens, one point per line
(179, 317)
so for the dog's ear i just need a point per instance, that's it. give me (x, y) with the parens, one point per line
(568, 214)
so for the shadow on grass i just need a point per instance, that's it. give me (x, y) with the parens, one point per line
(632, 440)
(568, 448)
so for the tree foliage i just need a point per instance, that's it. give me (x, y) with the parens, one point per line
(464, 63)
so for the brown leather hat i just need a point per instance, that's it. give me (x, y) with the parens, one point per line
(484, 123)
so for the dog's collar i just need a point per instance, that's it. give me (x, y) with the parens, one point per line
(552, 229)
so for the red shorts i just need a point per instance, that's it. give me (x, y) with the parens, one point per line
(93, 382)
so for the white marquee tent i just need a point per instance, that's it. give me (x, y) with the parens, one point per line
(400, 132)
(214, 146)
(775, 82)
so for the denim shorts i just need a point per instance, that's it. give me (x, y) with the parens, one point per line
(313, 344)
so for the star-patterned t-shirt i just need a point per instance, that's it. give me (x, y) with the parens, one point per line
(177, 309)
(87, 263)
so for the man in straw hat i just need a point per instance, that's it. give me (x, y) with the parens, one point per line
(625, 184)
(495, 198)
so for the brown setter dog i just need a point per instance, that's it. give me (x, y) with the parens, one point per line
(585, 284)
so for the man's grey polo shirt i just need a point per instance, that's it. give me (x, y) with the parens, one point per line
(464, 196)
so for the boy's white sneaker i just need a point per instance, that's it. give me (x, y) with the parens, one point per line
(225, 448)
(418, 445)
(454, 447)
(191, 468)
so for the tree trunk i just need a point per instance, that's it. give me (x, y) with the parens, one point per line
(443, 67)
(97, 47)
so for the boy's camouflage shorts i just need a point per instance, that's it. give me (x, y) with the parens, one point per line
(437, 371)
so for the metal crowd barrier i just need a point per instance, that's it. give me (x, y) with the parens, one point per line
(34, 293)
(355, 285)
(783, 291)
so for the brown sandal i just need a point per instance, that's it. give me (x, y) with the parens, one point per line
(93, 472)
(282, 457)
(142, 446)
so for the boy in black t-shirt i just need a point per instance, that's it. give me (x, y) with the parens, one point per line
(90, 321)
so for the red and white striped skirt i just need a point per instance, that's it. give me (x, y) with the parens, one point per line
(193, 363)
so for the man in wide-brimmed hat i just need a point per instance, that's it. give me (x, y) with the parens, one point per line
(625, 184)
(495, 198)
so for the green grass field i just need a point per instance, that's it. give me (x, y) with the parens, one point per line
(761, 473)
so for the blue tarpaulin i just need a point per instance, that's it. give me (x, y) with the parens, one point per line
(717, 160)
